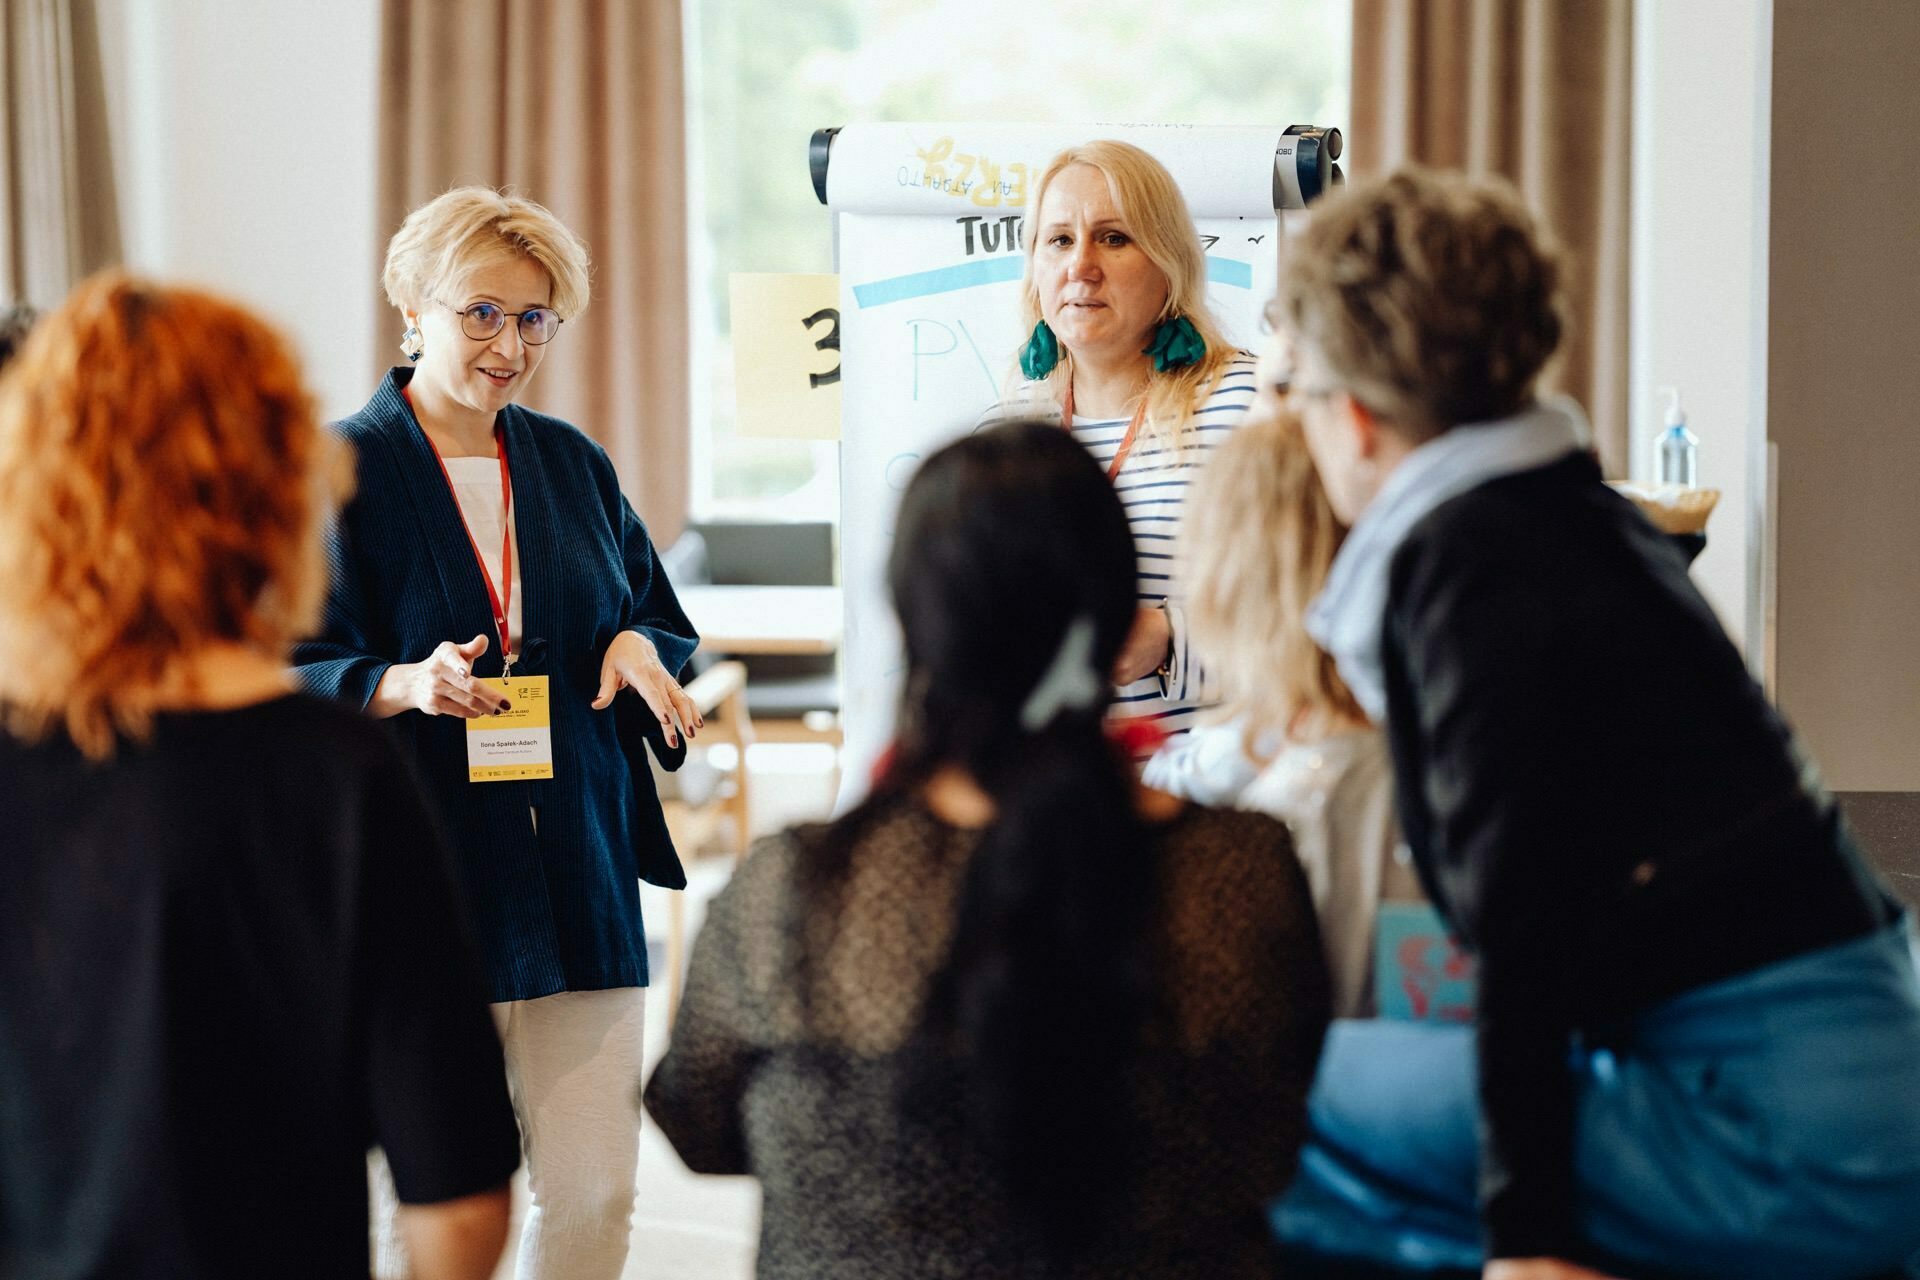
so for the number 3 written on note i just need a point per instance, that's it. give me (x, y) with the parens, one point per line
(829, 342)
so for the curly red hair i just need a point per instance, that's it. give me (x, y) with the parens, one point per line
(164, 483)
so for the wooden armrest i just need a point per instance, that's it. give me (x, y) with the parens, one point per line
(716, 684)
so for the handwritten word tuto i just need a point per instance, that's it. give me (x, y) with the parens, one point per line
(1009, 231)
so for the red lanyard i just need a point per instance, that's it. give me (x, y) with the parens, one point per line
(500, 600)
(1126, 442)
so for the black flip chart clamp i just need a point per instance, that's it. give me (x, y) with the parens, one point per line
(818, 151)
(1303, 165)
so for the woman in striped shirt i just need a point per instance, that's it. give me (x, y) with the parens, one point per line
(1125, 352)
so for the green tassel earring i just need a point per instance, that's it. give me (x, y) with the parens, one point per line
(1176, 344)
(1041, 353)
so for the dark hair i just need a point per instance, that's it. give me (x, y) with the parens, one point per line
(14, 323)
(1004, 540)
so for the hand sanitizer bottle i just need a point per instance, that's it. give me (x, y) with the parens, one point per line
(1677, 449)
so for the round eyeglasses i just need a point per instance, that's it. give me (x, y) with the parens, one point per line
(483, 320)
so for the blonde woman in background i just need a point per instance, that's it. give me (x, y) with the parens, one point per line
(231, 955)
(1125, 354)
(1259, 537)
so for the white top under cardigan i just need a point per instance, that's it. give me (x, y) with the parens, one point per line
(476, 487)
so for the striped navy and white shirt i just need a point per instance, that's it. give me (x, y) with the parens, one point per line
(1152, 485)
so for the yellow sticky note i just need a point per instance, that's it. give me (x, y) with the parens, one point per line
(786, 355)
(518, 744)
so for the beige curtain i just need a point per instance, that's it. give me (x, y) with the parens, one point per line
(58, 218)
(577, 104)
(1538, 91)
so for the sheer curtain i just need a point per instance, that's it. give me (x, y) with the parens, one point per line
(58, 218)
(577, 104)
(1538, 91)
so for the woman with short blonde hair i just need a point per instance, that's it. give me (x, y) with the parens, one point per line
(1124, 349)
(231, 956)
(470, 228)
(489, 566)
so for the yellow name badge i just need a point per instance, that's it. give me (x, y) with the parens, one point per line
(515, 745)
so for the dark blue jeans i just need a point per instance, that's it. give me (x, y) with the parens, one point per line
(1766, 1127)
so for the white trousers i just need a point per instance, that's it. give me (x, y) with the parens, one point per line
(573, 1066)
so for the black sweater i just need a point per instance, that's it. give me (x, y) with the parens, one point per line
(1598, 797)
(232, 957)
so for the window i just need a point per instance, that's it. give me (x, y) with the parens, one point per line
(764, 74)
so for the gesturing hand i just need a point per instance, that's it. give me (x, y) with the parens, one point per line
(443, 685)
(1537, 1269)
(633, 663)
(1146, 647)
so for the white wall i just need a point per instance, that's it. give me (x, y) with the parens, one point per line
(243, 144)
(1842, 383)
(1701, 138)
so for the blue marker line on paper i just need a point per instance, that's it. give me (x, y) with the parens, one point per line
(1227, 271)
(997, 271)
(944, 280)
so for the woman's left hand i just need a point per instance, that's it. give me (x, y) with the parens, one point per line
(633, 663)
(1146, 646)
(1537, 1269)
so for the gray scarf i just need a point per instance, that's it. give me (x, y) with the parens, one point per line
(1347, 617)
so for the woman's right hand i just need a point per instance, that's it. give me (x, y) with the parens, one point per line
(443, 685)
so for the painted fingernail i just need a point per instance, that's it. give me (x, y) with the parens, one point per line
(506, 706)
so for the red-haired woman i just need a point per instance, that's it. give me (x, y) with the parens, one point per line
(230, 955)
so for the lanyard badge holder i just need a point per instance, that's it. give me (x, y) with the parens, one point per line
(515, 745)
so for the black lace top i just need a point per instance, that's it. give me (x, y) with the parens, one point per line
(787, 1058)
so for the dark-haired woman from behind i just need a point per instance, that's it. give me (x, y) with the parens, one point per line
(1013, 1015)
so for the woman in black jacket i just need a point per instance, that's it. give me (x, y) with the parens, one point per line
(1697, 1049)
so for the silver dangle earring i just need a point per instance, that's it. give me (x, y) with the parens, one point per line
(412, 345)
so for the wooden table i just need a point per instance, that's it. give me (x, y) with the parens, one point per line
(765, 619)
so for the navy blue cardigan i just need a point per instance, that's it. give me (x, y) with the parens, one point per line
(558, 910)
